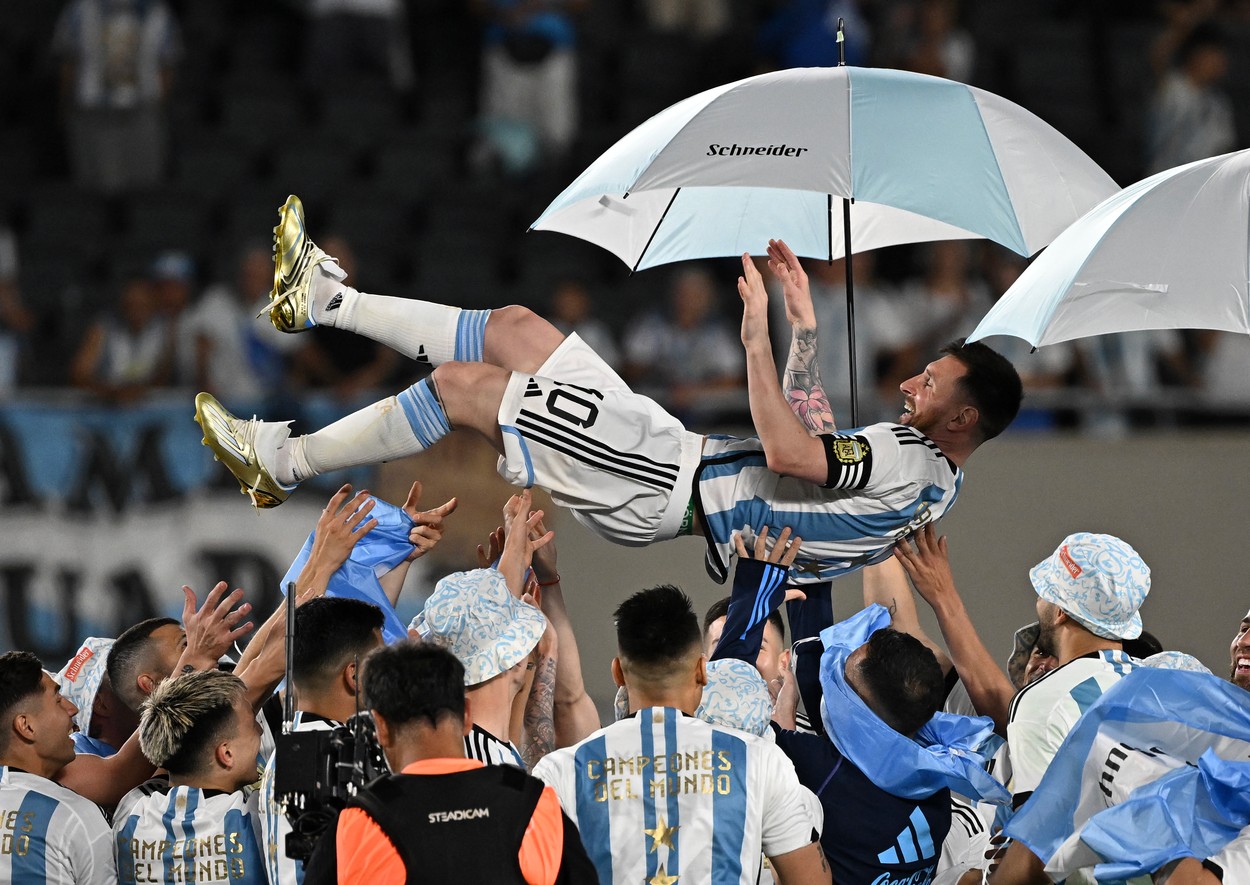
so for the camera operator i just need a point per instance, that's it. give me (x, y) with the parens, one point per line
(445, 817)
(331, 635)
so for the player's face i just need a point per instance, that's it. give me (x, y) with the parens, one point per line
(169, 641)
(55, 721)
(771, 659)
(1239, 653)
(1040, 663)
(933, 398)
(1047, 613)
(246, 742)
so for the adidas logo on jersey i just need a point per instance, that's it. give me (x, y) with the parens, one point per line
(913, 844)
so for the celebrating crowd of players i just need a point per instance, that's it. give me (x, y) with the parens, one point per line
(855, 752)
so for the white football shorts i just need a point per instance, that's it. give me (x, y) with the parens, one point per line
(618, 461)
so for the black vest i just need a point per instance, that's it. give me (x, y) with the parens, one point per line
(460, 827)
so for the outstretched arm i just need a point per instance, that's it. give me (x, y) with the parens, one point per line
(928, 566)
(788, 447)
(574, 711)
(803, 388)
(886, 584)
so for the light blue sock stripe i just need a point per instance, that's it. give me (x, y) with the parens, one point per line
(425, 416)
(471, 335)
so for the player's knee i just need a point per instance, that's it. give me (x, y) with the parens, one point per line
(514, 318)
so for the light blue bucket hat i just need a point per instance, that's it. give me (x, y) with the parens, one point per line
(474, 616)
(736, 696)
(1099, 580)
(81, 676)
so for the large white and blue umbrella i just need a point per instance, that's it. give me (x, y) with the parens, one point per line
(718, 174)
(1170, 252)
(922, 158)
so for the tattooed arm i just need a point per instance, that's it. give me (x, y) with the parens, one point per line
(803, 389)
(540, 731)
(802, 384)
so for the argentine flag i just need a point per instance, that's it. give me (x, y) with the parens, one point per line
(384, 547)
(1169, 750)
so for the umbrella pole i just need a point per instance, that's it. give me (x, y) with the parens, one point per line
(846, 251)
(850, 308)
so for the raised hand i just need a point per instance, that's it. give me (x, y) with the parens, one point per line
(754, 305)
(343, 522)
(784, 551)
(788, 270)
(428, 530)
(928, 565)
(489, 555)
(213, 627)
(518, 546)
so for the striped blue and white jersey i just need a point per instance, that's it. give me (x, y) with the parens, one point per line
(185, 834)
(1045, 711)
(483, 746)
(50, 835)
(885, 481)
(665, 797)
(274, 826)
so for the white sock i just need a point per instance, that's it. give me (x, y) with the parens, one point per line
(395, 427)
(420, 330)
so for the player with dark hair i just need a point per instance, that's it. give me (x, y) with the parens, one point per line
(333, 635)
(562, 419)
(898, 678)
(142, 656)
(48, 834)
(706, 797)
(442, 817)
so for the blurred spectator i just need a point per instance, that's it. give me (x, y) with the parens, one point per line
(804, 34)
(1226, 367)
(117, 59)
(173, 282)
(571, 312)
(1040, 368)
(529, 82)
(690, 350)
(232, 354)
(951, 299)
(16, 320)
(358, 36)
(702, 19)
(1135, 363)
(128, 352)
(931, 41)
(885, 351)
(1191, 118)
(333, 358)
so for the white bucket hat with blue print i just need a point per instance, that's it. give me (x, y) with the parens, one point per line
(736, 696)
(475, 617)
(81, 676)
(1099, 580)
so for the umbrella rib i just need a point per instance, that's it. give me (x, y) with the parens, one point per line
(643, 253)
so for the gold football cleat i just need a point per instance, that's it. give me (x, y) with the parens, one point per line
(239, 444)
(295, 260)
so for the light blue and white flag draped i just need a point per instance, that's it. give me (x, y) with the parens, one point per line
(1149, 725)
(1193, 812)
(384, 547)
(774, 155)
(946, 752)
